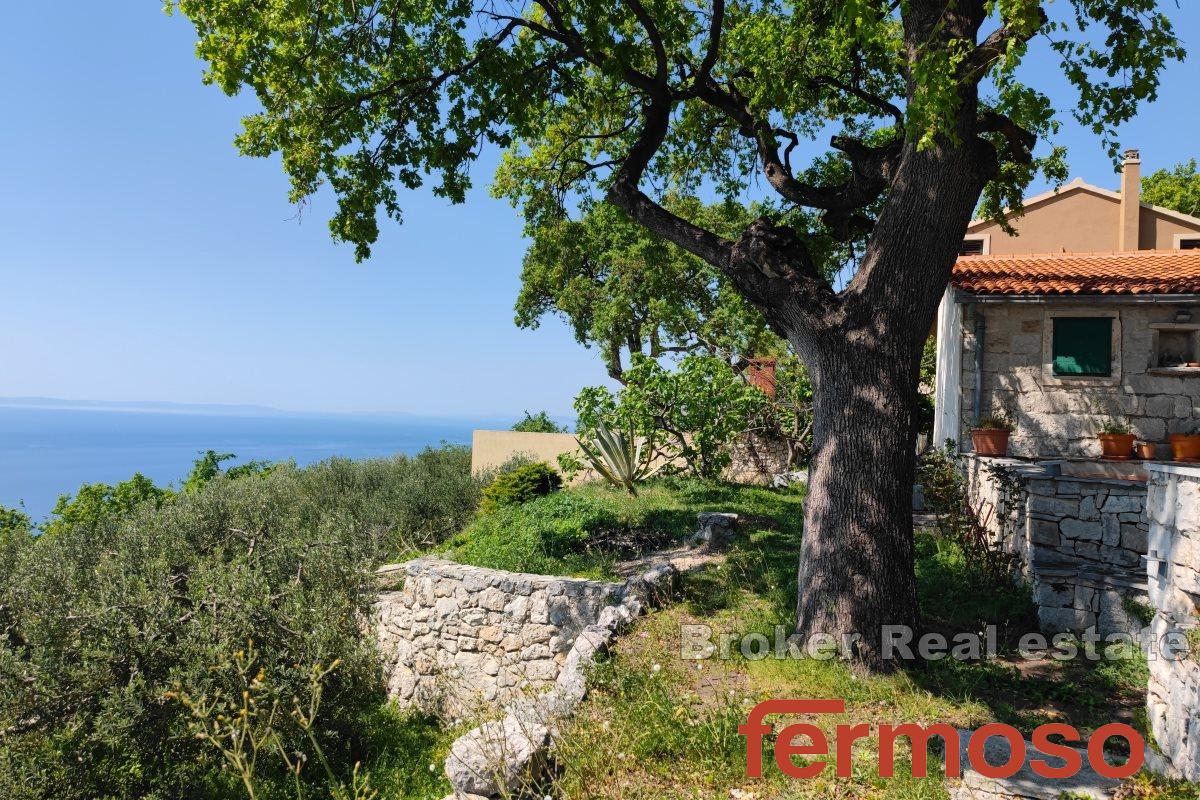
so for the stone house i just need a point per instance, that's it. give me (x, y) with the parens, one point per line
(1091, 310)
(1088, 309)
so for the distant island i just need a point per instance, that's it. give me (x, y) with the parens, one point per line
(139, 405)
(235, 410)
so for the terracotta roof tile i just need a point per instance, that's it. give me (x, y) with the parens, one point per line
(1138, 272)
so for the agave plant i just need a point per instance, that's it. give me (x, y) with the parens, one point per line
(619, 458)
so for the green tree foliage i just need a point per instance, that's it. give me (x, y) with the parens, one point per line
(208, 466)
(14, 524)
(1177, 188)
(98, 503)
(691, 414)
(628, 292)
(538, 423)
(102, 620)
(520, 485)
(368, 107)
(16, 533)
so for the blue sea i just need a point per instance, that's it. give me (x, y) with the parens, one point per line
(46, 452)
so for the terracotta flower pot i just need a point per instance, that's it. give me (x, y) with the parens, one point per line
(1145, 450)
(990, 441)
(1185, 446)
(1116, 445)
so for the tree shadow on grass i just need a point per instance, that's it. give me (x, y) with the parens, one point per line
(762, 562)
(1086, 691)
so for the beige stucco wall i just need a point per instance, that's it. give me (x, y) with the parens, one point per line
(1054, 417)
(491, 449)
(1077, 220)
(1158, 231)
(755, 460)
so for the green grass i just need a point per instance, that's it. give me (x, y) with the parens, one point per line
(658, 726)
(405, 755)
(585, 530)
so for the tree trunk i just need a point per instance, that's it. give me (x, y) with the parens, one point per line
(856, 563)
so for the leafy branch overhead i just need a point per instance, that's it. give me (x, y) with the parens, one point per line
(641, 100)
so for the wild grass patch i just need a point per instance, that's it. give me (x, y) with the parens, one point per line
(657, 725)
(585, 530)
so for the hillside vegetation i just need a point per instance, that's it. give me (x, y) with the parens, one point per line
(119, 610)
(208, 643)
(134, 621)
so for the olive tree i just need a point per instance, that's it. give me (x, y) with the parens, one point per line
(631, 102)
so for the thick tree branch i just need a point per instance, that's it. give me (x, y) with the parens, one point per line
(626, 194)
(872, 173)
(661, 66)
(714, 43)
(1020, 141)
(993, 48)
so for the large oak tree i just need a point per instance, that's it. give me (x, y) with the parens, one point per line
(635, 101)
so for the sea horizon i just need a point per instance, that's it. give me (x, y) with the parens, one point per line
(51, 448)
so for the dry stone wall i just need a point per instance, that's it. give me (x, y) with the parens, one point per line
(1173, 702)
(456, 637)
(1081, 541)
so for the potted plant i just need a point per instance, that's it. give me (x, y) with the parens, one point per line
(1185, 446)
(1116, 439)
(990, 435)
(1145, 450)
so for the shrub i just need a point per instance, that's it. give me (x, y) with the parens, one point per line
(619, 458)
(104, 619)
(208, 466)
(539, 423)
(945, 491)
(97, 503)
(692, 414)
(520, 485)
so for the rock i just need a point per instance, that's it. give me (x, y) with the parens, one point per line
(1081, 529)
(785, 479)
(1026, 785)
(714, 529)
(1118, 503)
(494, 757)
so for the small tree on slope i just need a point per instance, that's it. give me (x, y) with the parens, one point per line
(635, 101)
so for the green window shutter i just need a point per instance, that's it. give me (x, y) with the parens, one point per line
(1083, 346)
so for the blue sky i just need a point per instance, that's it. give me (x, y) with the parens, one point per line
(143, 259)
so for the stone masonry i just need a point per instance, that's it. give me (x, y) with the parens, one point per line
(1061, 417)
(1081, 541)
(456, 637)
(1173, 702)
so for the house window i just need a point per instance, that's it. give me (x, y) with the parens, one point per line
(1082, 346)
(1190, 243)
(971, 247)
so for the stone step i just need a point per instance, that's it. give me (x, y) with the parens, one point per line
(1026, 784)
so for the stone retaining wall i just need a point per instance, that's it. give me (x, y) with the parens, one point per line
(1173, 702)
(1080, 541)
(455, 637)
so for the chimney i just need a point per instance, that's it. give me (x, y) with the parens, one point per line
(1131, 201)
(760, 373)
